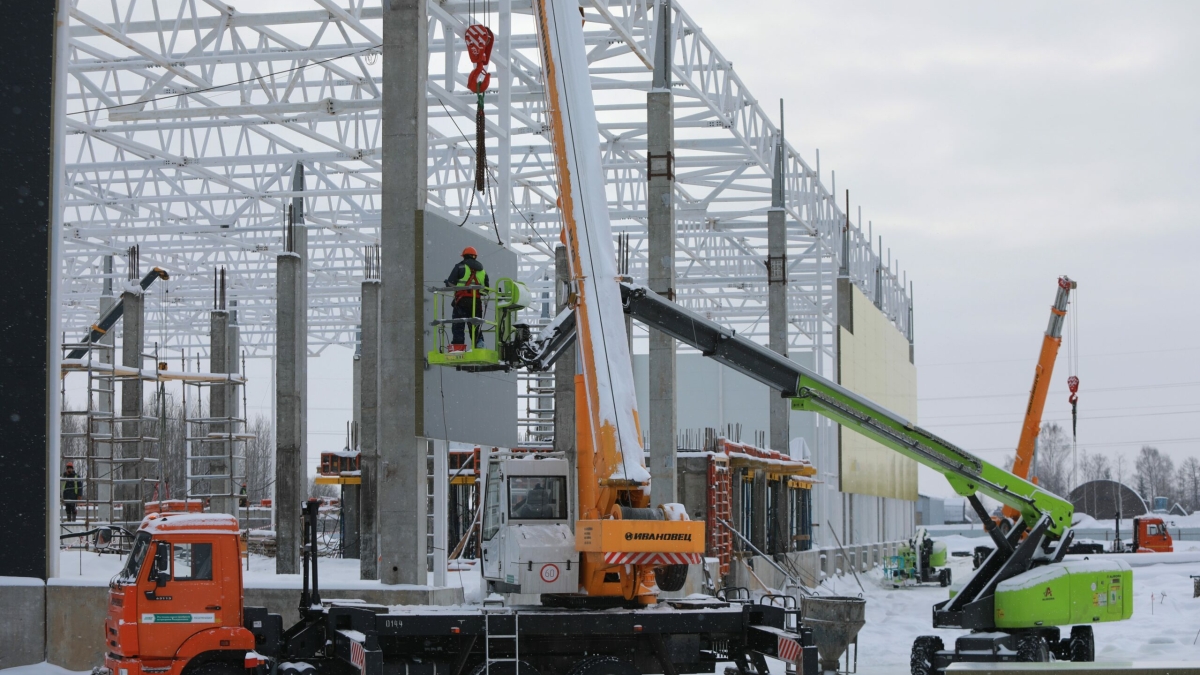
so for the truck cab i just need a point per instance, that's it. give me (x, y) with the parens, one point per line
(528, 545)
(177, 602)
(1150, 535)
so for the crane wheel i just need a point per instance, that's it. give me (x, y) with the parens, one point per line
(671, 577)
(505, 668)
(1082, 644)
(603, 665)
(1032, 648)
(924, 650)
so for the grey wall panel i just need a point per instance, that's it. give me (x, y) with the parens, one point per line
(477, 408)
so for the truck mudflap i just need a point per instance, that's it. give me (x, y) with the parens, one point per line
(359, 650)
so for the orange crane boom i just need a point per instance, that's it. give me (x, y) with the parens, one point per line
(1027, 445)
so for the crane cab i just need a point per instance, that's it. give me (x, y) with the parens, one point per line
(528, 545)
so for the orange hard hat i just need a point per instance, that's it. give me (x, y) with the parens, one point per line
(470, 250)
(70, 465)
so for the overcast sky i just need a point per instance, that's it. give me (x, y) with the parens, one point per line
(997, 146)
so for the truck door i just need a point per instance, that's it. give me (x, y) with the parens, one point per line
(181, 597)
(493, 515)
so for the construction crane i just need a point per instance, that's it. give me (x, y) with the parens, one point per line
(1051, 341)
(620, 539)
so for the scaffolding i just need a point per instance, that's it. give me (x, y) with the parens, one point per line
(115, 458)
(215, 440)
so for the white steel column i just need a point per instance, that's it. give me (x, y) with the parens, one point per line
(504, 108)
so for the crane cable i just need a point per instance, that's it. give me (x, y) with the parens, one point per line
(1073, 379)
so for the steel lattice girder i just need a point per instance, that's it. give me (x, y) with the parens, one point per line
(185, 123)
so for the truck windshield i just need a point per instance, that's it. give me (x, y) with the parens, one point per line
(133, 563)
(537, 497)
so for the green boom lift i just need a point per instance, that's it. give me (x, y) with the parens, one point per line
(1017, 601)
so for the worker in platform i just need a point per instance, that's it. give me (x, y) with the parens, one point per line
(72, 491)
(468, 303)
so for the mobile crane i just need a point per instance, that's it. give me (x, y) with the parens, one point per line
(1032, 425)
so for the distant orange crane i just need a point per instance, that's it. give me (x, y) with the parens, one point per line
(1027, 445)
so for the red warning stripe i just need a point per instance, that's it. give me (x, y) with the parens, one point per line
(622, 558)
(788, 650)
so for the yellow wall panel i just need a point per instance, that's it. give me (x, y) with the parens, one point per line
(873, 362)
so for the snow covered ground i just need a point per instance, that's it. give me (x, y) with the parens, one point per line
(1165, 624)
(1164, 627)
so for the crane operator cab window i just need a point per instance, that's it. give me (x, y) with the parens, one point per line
(537, 498)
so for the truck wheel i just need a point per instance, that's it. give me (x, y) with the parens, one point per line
(1082, 645)
(944, 577)
(1033, 649)
(671, 577)
(217, 668)
(504, 668)
(924, 650)
(603, 665)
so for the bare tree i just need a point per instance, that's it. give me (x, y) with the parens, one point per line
(316, 489)
(1053, 459)
(1094, 467)
(1189, 483)
(260, 460)
(1153, 473)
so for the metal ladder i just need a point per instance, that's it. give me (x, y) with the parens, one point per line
(489, 637)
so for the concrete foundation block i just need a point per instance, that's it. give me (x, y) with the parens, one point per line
(24, 640)
(75, 624)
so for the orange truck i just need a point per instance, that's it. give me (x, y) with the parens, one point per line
(176, 608)
(177, 602)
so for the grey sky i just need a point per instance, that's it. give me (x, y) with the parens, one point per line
(996, 146)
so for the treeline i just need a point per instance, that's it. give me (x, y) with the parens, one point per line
(1150, 471)
(170, 427)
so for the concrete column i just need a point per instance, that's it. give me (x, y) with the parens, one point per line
(660, 212)
(402, 499)
(131, 472)
(233, 405)
(758, 513)
(564, 381)
(783, 518)
(351, 546)
(368, 433)
(289, 445)
(218, 406)
(777, 282)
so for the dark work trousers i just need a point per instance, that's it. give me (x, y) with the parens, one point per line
(466, 308)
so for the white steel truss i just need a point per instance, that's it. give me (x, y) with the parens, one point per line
(186, 119)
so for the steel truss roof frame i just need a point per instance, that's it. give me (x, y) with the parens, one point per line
(186, 120)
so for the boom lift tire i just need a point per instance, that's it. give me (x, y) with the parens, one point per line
(1082, 644)
(671, 577)
(924, 649)
(1032, 648)
(603, 665)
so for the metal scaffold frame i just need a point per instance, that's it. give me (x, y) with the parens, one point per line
(216, 443)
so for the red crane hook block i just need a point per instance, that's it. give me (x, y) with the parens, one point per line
(479, 39)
